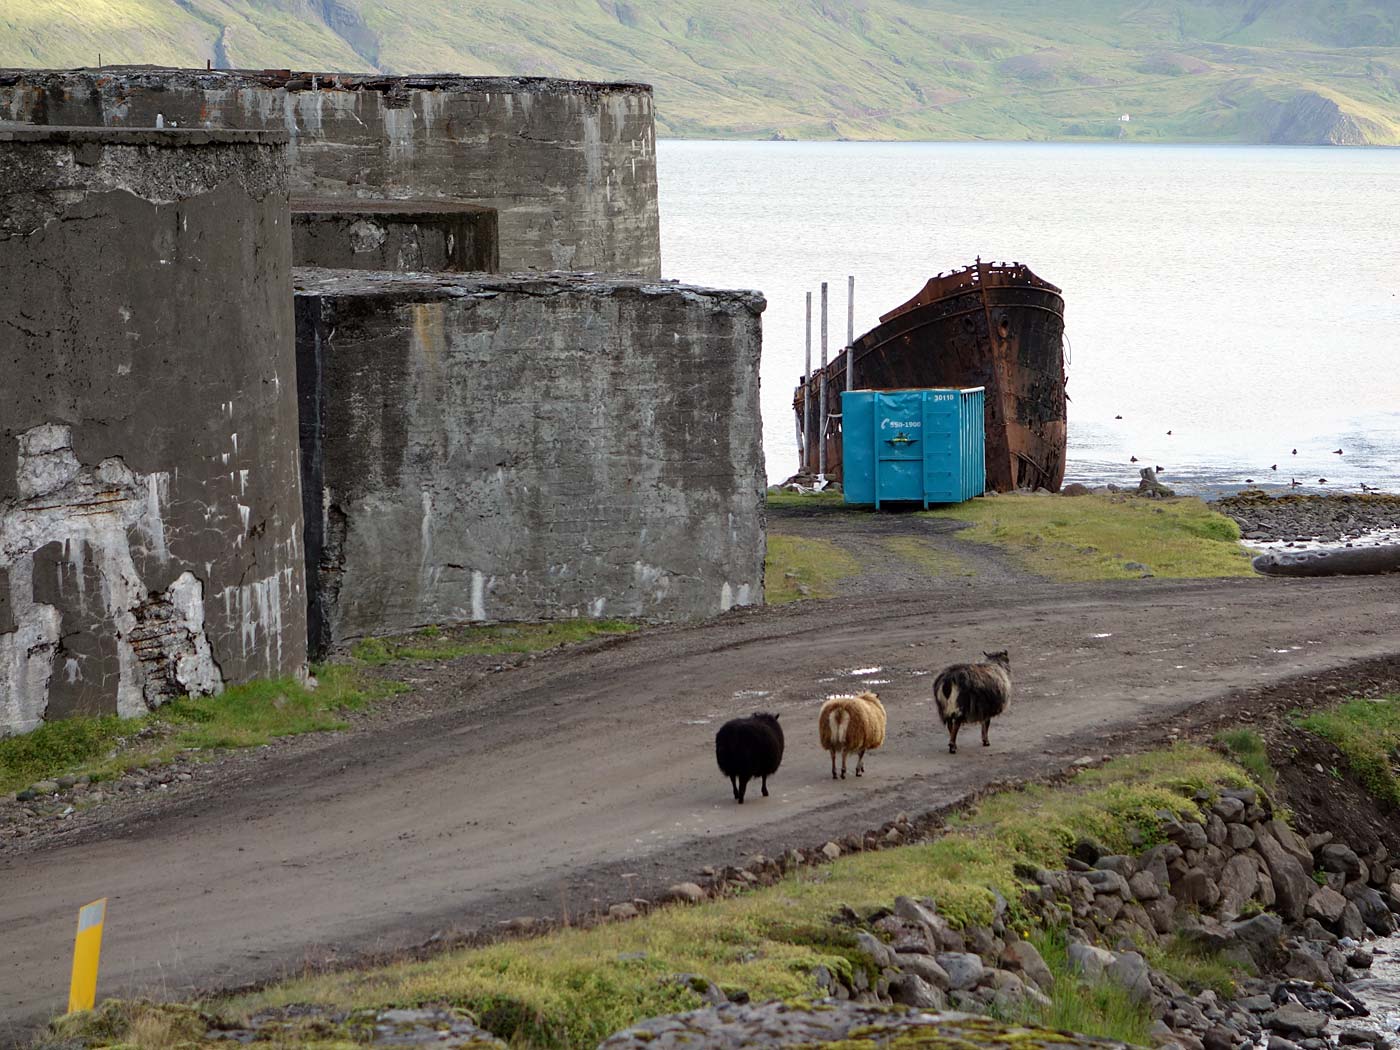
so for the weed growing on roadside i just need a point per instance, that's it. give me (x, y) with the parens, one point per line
(1247, 748)
(1367, 732)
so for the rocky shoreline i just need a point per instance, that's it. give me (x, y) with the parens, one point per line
(1293, 520)
(1238, 882)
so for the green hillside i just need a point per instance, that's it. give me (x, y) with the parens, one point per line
(1228, 70)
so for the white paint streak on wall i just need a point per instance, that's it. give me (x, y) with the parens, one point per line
(92, 513)
(257, 607)
(478, 595)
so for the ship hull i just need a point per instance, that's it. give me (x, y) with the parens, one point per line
(998, 327)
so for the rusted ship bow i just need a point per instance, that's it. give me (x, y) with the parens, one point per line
(995, 325)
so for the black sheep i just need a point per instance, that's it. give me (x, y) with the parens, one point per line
(746, 748)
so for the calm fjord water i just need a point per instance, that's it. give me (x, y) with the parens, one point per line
(1245, 298)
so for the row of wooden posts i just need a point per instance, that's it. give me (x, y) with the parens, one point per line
(822, 418)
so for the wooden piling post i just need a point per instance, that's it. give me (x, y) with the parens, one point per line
(850, 331)
(806, 465)
(821, 399)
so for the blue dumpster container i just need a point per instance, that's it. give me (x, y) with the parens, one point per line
(923, 446)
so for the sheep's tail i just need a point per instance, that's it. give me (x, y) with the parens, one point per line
(837, 722)
(946, 691)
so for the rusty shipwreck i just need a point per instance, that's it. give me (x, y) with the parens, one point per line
(995, 325)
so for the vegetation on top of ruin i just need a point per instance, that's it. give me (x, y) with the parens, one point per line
(1201, 70)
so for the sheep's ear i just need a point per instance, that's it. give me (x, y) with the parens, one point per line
(775, 716)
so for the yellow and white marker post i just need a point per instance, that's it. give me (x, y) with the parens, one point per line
(87, 947)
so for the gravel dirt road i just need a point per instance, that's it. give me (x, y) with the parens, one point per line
(586, 778)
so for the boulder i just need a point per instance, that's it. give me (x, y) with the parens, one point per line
(1157, 861)
(1307, 965)
(909, 989)
(1239, 836)
(1108, 882)
(1238, 883)
(1262, 935)
(1340, 858)
(1089, 960)
(1290, 882)
(1291, 842)
(926, 968)
(1123, 865)
(1197, 889)
(876, 949)
(1296, 1021)
(687, 892)
(1228, 809)
(1144, 886)
(1023, 957)
(1374, 912)
(1351, 924)
(1130, 970)
(914, 911)
(964, 969)
(1326, 905)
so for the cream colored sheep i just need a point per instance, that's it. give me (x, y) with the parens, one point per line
(851, 724)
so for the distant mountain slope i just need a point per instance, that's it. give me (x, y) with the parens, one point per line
(1303, 71)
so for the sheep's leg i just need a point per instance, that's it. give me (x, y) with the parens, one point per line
(833, 764)
(985, 725)
(843, 764)
(953, 728)
(860, 764)
(734, 786)
(743, 786)
(765, 787)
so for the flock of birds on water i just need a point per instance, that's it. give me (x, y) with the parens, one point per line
(1293, 482)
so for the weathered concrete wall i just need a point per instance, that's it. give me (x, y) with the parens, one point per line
(404, 236)
(150, 503)
(570, 165)
(480, 448)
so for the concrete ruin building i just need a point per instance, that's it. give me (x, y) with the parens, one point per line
(473, 445)
(150, 495)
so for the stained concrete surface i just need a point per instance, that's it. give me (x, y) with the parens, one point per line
(583, 779)
(526, 447)
(404, 236)
(150, 502)
(570, 165)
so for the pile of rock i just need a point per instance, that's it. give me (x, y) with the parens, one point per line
(1309, 518)
(848, 1025)
(1230, 879)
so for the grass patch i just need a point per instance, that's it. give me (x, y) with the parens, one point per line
(1095, 537)
(798, 567)
(816, 501)
(1196, 970)
(1368, 734)
(448, 643)
(1080, 1005)
(933, 560)
(1247, 748)
(242, 716)
(572, 988)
